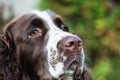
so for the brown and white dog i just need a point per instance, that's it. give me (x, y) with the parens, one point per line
(38, 46)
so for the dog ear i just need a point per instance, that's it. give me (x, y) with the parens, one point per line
(7, 46)
(8, 67)
(7, 31)
(4, 45)
(86, 74)
(7, 37)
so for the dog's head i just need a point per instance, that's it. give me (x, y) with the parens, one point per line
(43, 46)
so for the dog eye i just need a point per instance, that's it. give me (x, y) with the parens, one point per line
(35, 33)
(64, 28)
(61, 25)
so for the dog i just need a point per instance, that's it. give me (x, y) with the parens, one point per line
(39, 46)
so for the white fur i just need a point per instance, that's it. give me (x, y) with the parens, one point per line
(55, 35)
(82, 52)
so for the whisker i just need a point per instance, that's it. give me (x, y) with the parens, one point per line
(87, 59)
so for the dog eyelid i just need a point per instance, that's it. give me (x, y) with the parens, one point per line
(65, 28)
(35, 33)
(60, 24)
(37, 22)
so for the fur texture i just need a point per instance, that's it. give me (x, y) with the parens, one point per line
(32, 48)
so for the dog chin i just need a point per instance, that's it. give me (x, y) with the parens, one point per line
(71, 72)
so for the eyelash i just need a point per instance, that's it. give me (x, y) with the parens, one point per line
(61, 25)
(35, 33)
(64, 28)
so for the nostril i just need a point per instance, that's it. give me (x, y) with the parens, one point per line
(72, 43)
(68, 44)
(79, 43)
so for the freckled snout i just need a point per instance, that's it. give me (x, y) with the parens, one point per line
(72, 43)
(71, 47)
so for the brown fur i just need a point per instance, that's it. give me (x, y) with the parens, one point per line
(22, 58)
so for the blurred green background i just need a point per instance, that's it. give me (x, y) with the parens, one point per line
(97, 22)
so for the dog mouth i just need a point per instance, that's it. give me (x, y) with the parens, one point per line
(72, 71)
(72, 65)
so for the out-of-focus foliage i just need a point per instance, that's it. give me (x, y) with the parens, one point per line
(101, 70)
(6, 14)
(97, 22)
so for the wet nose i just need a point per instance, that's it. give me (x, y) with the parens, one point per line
(72, 43)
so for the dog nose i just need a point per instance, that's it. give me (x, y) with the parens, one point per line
(72, 43)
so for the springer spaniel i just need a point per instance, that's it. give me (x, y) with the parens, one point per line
(38, 46)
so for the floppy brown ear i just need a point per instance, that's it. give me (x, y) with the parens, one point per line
(3, 48)
(7, 31)
(8, 67)
(86, 74)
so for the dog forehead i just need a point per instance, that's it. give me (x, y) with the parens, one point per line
(48, 18)
(51, 13)
(46, 15)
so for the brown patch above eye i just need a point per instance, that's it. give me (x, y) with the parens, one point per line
(37, 22)
(60, 24)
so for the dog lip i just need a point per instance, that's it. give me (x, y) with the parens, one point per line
(69, 70)
(72, 71)
(71, 65)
